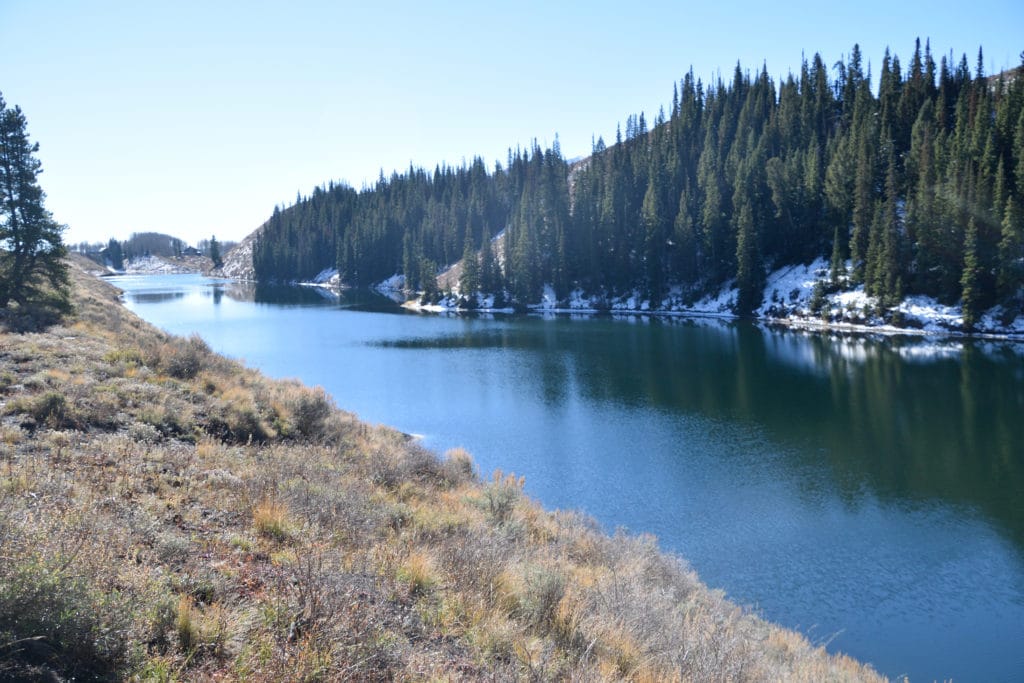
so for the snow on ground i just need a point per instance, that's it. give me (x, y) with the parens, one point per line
(326, 276)
(852, 300)
(548, 300)
(720, 304)
(932, 316)
(792, 286)
(395, 283)
(328, 279)
(153, 265)
(238, 261)
(393, 288)
(788, 299)
(789, 293)
(993, 320)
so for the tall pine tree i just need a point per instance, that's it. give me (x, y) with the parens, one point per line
(32, 268)
(970, 288)
(215, 252)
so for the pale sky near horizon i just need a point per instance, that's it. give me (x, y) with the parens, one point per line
(196, 118)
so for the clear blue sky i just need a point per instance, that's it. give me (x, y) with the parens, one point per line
(196, 118)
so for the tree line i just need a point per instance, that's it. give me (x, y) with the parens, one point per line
(116, 253)
(914, 189)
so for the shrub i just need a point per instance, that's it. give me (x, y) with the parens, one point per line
(309, 409)
(499, 498)
(545, 589)
(240, 419)
(170, 420)
(183, 358)
(36, 316)
(245, 425)
(143, 432)
(51, 619)
(458, 465)
(124, 359)
(50, 408)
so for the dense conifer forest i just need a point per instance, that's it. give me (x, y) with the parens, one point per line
(916, 189)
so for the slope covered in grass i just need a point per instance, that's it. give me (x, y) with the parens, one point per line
(168, 514)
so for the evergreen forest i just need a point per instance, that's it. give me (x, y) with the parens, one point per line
(915, 186)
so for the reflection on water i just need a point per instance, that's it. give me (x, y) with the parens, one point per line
(154, 297)
(867, 487)
(154, 290)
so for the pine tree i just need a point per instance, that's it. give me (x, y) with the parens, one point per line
(839, 189)
(970, 293)
(1011, 252)
(1018, 151)
(469, 280)
(923, 224)
(863, 208)
(749, 266)
(886, 278)
(428, 280)
(873, 255)
(837, 264)
(114, 253)
(31, 247)
(686, 241)
(713, 219)
(215, 252)
(490, 275)
(656, 226)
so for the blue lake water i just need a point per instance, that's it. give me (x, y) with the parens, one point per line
(866, 491)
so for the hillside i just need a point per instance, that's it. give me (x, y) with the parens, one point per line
(168, 514)
(166, 265)
(916, 190)
(238, 261)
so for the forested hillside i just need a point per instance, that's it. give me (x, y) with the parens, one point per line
(915, 188)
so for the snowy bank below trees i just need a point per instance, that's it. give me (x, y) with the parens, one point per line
(155, 265)
(328, 278)
(790, 298)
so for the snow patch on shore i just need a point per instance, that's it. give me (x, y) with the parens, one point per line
(154, 265)
(930, 314)
(395, 283)
(327, 279)
(326, 276)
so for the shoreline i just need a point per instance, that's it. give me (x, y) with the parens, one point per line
(797, 323)
(936, 320)
(807, 323)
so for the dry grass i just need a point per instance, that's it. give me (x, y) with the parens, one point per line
(168, 514)
(270, 519)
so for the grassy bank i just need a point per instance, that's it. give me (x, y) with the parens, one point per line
(168, 514)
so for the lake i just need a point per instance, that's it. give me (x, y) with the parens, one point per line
(866, 491)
